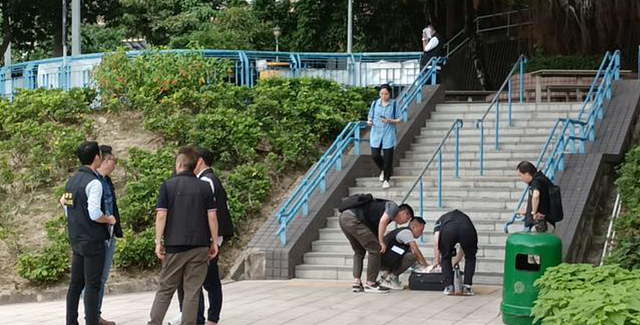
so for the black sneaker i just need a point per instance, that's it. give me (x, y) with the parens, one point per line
(357, 287)
(376, 288)
(448, 291)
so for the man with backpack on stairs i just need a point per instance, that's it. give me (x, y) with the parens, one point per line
(544, 204)
(363, 221)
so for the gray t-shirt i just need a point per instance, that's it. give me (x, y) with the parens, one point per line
(405, 237)
(391, 209)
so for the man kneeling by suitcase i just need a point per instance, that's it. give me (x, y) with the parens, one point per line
(402, 252)
(364, 225)
(452, 228)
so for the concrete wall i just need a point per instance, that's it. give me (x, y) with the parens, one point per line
(588, 180)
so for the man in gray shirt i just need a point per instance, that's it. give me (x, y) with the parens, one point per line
(364, 226)
(402, 252)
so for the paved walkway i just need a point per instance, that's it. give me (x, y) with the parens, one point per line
(294, 302)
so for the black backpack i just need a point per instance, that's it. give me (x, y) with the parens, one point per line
(354, 201)
(556, 213)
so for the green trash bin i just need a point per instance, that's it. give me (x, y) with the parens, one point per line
(527, 256)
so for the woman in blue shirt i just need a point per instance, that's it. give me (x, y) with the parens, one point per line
(383, 119)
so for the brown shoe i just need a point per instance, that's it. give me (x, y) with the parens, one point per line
(102, 321)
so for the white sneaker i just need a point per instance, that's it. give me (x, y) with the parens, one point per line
(376, 288)
(381, 176)
(385, 185)
(176, 320)
(393, 283)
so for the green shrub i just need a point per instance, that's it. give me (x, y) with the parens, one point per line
(48, 266)
(563, 62)
(146, 173)
(247, 186)
(584, 294)
(136, 250)
(626, 249)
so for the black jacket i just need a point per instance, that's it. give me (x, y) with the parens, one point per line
(225, 223)
(117, 229)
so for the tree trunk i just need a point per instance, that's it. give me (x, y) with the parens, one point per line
(6, 29)
(475, 46)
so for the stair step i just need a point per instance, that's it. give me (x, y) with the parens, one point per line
(492, 237)
(342, 246)
(504, 115)
(481, 224)
(448, 193)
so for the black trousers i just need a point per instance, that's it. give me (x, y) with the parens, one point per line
(86, 273)
(384, 160)
(214, 290)
(459, 231)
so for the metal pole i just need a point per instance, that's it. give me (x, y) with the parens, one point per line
(64, 45)
(75, 27)
(350, 28)
(7, 56)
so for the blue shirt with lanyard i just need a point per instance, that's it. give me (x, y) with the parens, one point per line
(383, 134)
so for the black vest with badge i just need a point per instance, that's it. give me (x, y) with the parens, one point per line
(187, 221)
(395, 249)
(225, 223)
(370, 213)
(81, 227)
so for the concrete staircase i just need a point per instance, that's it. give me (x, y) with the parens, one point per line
(489, 200)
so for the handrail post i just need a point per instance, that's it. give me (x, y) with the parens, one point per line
(510, 122)
(481, 148)
(457, 151)
(283, 233)
(521, 79)
(440, 178)
(617, 65)
(421, 198)
(357, 139)
(497, 121)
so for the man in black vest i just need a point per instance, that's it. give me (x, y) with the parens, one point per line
(88, 231)
(186, 237)
(402, 252)
(225, 230)
(364, 226)
(452, 228)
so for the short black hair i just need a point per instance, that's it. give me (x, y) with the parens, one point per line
(188, 157)
(87, 152)
(526, 167)
(433, 26)
(206, 155)
(417, 220)
(106, 151)
(406, 207)
(386, 86)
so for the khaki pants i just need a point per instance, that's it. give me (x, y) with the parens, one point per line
(189, 269)
(407, 260)
(362, 241)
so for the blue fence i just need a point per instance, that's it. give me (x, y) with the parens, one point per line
(315, 180)
(567, 132)
(358, 69)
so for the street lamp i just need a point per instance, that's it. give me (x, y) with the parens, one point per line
(277, 32)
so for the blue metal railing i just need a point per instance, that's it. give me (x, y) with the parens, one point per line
(455, 128)
(358, 69)
(520, 64)
(316, 177)
(559, 140)
(414, 92)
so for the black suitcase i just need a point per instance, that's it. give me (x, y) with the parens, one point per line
(426, 281)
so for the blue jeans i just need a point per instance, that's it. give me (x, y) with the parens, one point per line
(110, 250)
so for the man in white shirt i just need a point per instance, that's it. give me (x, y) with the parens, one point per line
(431, 46)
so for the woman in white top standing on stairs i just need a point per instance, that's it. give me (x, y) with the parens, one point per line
(383, 119)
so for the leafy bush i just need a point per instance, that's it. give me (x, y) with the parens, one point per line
(48, 266)
(146, 173)
(626, 250)
(136, 250)
(584, 294)
(39, 133)
(247, 186)
(541, 61)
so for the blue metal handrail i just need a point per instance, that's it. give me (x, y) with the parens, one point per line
(455, 127)
(522, 61)
(559, 142)
(428, 75)
(317, 175)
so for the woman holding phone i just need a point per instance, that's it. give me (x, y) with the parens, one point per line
(383, 119)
